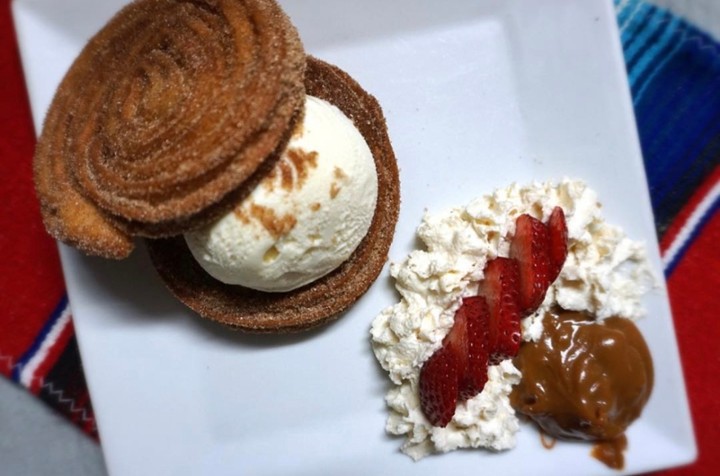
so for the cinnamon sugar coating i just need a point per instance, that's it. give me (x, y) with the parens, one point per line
(164, 117)
(324, 299)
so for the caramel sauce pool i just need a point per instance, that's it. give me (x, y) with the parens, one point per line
(585, 380)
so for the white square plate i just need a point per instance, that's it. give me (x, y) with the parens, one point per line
(477, 94)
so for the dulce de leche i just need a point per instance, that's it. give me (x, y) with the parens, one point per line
(584, 379)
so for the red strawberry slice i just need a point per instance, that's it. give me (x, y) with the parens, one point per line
(530, 247)
(477, 317)
(458, 370)
(439, 387)
(501, 289)
(441, 374)
(456, 339)
(558, 237)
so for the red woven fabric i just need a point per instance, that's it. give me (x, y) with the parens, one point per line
(695, 298)
(31, 283)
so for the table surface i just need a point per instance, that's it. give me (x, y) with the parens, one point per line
(35, 440)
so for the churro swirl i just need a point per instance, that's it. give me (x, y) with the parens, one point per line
(170, 108)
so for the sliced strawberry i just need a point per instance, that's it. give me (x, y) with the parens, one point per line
(458, 370)
(530, 247)
(456, 339)
(558, 237)
(477, 317)
(441, 374)
(501, 289)
(439, 387)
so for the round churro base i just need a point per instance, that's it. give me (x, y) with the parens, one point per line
(164, 116)
(324, 299)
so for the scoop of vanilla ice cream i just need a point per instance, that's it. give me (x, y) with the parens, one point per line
(305, 218)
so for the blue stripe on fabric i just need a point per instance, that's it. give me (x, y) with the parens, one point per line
(651, 45)
(660, 147)
(714, 207)
(709, 116)
(35, 346)
(672, 84)
(672, 45)
(626, 13)
(630, 11)
(637, 26)
(670, 93)
(697, 160)
(698, 106)
(678, 164)
(655, 25)
(673, 73)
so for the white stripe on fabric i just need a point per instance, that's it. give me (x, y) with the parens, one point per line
(697, 215)
(28, 371)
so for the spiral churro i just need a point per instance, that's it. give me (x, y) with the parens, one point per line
(168, 109)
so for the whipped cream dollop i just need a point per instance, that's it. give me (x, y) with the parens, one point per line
(605, 274)
(305, 218)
